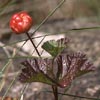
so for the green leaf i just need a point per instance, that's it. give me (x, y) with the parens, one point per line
(39, 77)
(53, 47)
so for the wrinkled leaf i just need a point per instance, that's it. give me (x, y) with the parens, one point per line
(74, 65)
(55, 47)
(36, 70)
(39, 77)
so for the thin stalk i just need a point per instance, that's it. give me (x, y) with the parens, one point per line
(11, 84)
(77, 96)
(39, 43)
(33, 44)
(18, 57)
(55, 92)
(23, 90)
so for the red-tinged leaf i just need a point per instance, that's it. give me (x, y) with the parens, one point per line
(37, 70)
(76, 65)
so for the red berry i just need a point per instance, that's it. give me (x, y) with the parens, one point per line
(21, 22)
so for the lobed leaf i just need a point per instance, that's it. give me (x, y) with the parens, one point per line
(37, 70)
(74, 65)
(55, 47)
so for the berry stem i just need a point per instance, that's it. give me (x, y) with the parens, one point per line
(55, 92)
(33, 44)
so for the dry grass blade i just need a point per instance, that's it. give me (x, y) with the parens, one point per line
(5, 71)
(9, 87)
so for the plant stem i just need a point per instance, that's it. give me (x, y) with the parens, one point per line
(33, 44)
(71, 95)
(55, 92)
